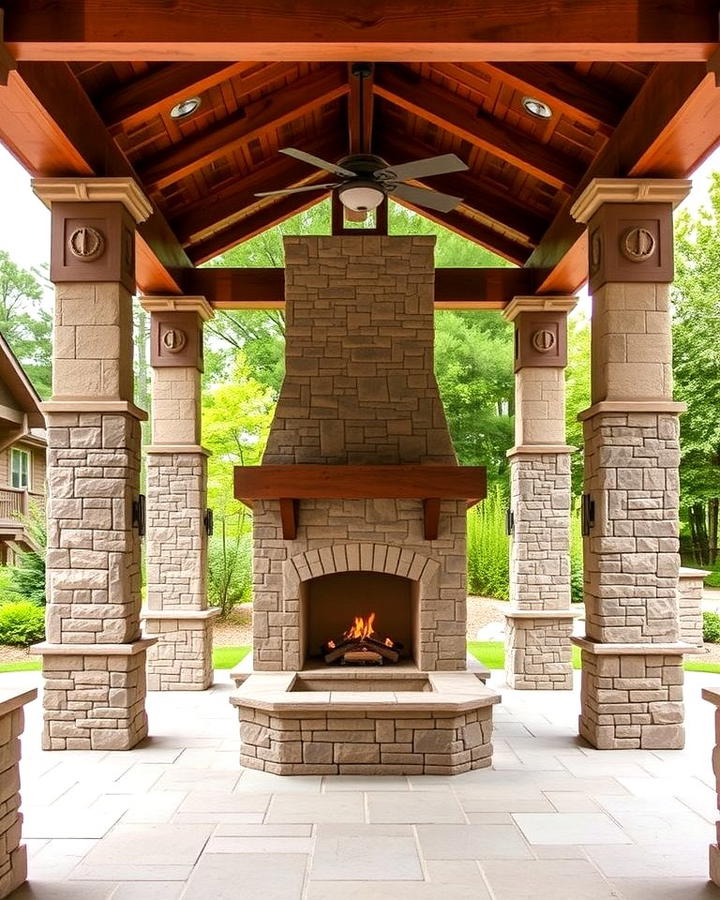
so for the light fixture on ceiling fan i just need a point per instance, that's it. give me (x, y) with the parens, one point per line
(367, 179)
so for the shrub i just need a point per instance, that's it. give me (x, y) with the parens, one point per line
(713, 579)
(29, 574)
(22, 623)
(488, 547)
(229, 570)
(711, 628)
(8, 588)
(577, 591)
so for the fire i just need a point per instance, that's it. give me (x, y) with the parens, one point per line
(389, 642)
(361, 628)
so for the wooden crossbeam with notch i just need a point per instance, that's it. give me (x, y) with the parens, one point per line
(257, 119)
(429, 101)
(361, 94)
(198, 218)
(186, 30)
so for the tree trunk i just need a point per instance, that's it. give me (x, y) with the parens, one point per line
(713, 508)
(698, 525)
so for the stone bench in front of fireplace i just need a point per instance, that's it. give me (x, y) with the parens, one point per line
(362, 722)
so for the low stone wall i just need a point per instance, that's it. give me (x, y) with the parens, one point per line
(538, 653)
(712, 695)
(358, 743)
(13, 855)
(182, 658)
(690, 588)
(632, 697)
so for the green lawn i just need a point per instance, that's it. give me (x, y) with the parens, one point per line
(223, 658)
(25, 665)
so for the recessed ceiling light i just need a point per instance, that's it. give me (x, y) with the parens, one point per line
(185, 108)
(537, 108)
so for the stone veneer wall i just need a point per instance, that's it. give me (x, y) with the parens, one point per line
(690, 612)
(359, 389)
(13, 854)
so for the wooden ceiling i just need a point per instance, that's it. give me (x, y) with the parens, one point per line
(656, 111)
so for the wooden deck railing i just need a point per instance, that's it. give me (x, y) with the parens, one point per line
(15, 502)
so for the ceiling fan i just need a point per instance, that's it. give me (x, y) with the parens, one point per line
(366, 179)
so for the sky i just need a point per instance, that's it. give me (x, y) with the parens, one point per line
(25, 221)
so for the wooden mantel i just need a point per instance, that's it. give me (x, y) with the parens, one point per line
(291, 483)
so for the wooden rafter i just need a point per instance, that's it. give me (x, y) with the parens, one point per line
(50, 125)
(459, 288)
(7, 62)
(562, 89)
(360, 134)
(138, 100)
(672, 124)
(612, 30)
(201, 216)
(461, 118)
(497, 206)
(266, 217)
(256, 120)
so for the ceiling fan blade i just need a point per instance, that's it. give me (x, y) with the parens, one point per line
(425, 197)
(297, 190)
(422, 168)
(317, 162)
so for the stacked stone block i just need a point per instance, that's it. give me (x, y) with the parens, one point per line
(540, 655)
(712, 695)
(366, 743)
(690, 613)
(13, 854)
(359, 389)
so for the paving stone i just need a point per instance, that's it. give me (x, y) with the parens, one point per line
(546, 880)
(413, 807)
(385, 852)
(226, 876)
(298, 808)
(472, 842)
(570, 828)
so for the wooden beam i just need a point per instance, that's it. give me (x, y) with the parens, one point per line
(48, 123)
(672, 124)
(253, 122)
(273, 213)
(7, 61)
(138, 100)
(361, 94)
(499, 207)
(186, 30)
(200, 217)
(593, 104)
(455, 288)
(461, 118)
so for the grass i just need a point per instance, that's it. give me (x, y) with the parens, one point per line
(228, 657)
(25, 665)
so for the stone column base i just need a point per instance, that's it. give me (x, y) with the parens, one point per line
(182, 658)
(538, 652)
(690, 613)
(632, 695)
(94, 696)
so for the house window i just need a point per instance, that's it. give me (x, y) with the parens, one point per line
(20, 469)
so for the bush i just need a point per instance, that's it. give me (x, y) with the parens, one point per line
(229, 570)
(29, 574)
(488, 548)
(8, 588)
(577, 590)
(711, 628)
(22, 623)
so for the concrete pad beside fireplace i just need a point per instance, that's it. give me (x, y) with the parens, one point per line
(401, 722)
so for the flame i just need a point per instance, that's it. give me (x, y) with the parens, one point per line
(331, 644)
(389, 642)
(361, 628)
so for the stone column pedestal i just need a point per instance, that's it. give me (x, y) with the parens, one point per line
(538, 653)
(632, 657)
(94, 657)
(712, 695)
(13, 854)
(690, 612)
(177, 516)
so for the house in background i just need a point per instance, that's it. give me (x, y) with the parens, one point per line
(23, 448)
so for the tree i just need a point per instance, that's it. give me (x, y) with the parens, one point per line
(577, 391)
(696, 368)
(26, 322)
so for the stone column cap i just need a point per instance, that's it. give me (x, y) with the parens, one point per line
(14, 699)
(177, 448)
(622, 407)
(539, 303)
(47, 649)
(95, 190)
(539, 449)
(687, 572)
(171, 303)
(628, 190)
(542, 613)
(49, 407)
(676, 648)
(211, 613)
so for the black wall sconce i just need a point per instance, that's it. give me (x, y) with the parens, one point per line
(588, 514)
(209, 522)
(138, 515)
(509, 522)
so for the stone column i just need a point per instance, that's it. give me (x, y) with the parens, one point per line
(94, 657)
(712, 695)
(631, 656)
(177, 611)
(538, 652)
(690, 611)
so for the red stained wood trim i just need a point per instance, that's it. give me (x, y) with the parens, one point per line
(562, 30)
(230, 288)
(461, 118)
(360, 141)
(289, 518)
(255, 121)
(318, 482)
(431, 518)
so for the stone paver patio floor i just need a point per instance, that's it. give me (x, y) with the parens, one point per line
(178, 818)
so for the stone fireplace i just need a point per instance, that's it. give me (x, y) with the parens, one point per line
(359, 509)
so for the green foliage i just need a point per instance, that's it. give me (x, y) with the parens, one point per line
(229, 657)
(492, 654)
(577, 390)
(8, 589)
(488, 547)
(29, 573)
(711, 627)
(577, 590)
(21, 623)
(713, 579)
(229, 568)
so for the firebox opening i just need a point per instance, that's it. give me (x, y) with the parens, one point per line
(333, 604)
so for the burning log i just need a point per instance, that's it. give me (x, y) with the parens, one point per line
(358, 645)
